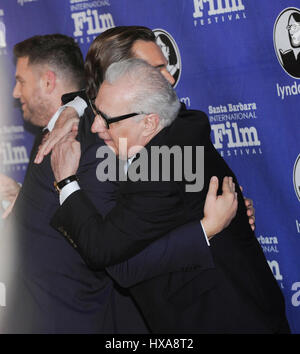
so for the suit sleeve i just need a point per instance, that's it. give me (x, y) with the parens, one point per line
(138, 218)
(184, 248)
(144, 212)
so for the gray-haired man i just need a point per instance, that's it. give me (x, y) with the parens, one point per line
(217, 293)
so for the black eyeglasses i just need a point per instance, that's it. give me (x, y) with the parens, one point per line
(107, 119)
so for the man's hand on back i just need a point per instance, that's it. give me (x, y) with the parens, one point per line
(67, 121)
(219, 210)
(65, 157)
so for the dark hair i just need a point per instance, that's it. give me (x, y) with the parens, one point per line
(56, 50)
(109, 47)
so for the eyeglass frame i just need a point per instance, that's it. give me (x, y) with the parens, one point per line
(108, 120)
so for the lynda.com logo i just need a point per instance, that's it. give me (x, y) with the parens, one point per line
(170, 50)
(286, 38)
(296, 177)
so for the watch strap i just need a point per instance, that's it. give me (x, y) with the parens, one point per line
(59, 185)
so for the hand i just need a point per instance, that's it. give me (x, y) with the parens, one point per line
(250, 211)
(9, 188)
(67, 121)
(219, 210)
(65, 157)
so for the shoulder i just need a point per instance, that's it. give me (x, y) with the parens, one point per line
(193, 118)
(191, 127)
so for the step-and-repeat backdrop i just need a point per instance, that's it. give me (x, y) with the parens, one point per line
(237, 60)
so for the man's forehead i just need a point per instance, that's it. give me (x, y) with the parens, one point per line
(150, 52)
(110, 92)
(22, 62)
(113, 95)
(21, 67)
(24, 67)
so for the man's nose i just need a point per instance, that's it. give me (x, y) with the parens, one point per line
(168, 76)
(98, 125)
(171, 79)
(16, 91)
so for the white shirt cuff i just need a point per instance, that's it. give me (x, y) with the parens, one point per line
(205, 234)
(78, 104)
(53, 120)
(67, 190)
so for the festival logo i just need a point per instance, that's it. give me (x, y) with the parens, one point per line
(286, 37)
(170, 50)
(13, 153)
(88, 21)
(208, 12)
(268, 244)
(274, 265)
(296, 177)
(2, 30)
(233, 129)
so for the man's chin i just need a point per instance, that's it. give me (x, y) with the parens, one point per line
(111, 145)
(26, 117)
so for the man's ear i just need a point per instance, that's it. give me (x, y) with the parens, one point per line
(151, 124)
(49, 81)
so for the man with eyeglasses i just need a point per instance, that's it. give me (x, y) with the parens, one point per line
(291, 57)
(234, 291)
(52, 290)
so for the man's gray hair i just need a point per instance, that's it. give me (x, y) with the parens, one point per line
(152, 93)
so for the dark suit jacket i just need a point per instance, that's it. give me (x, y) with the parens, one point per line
(53, 291)
(237, 295)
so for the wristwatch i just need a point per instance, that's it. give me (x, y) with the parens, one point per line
(59, 185)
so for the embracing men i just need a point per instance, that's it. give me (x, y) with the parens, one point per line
(228, 287)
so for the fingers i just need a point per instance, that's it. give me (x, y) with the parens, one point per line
(250, 211)
(46, 147)
(213, 186)
(219, 210)
(252, 220)
(75, 128)
(248, 202)
(228, 185)
(55, 136)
